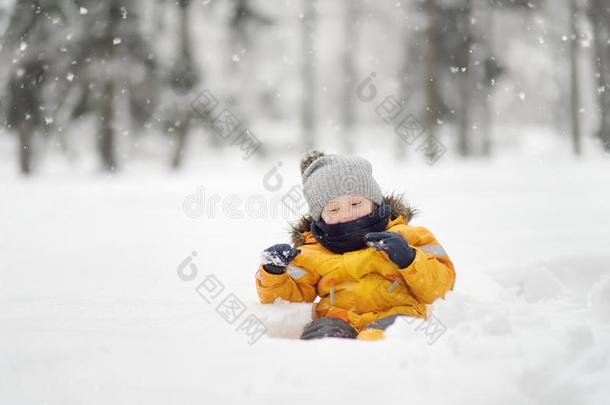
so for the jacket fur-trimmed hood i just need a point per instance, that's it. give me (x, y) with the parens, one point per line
(397, 203)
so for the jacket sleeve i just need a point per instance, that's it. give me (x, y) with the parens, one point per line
(297, 284)
(431, 275)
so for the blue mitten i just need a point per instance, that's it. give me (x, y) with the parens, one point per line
(394, 245)
(276, 258)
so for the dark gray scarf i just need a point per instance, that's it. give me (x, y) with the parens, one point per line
(349, 236)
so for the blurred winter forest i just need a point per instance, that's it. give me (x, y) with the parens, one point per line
(171, 82)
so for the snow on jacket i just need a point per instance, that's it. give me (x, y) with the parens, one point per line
(364, 285)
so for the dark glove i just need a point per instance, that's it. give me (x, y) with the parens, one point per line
(394, 245)
(276, 258)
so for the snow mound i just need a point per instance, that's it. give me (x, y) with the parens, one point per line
(283, 319)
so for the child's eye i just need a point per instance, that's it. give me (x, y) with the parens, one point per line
(334, 210)
(356, 203)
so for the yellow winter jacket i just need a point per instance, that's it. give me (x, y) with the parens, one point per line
(364, 285)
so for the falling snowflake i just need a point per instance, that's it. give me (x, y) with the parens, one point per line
(70, 76)
(235, 58)
(522, 96)
(116, 41)
(84, 11)
(23, 46)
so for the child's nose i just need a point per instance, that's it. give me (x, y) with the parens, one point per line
(348, 215)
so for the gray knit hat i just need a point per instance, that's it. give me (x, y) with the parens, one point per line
(329, 176)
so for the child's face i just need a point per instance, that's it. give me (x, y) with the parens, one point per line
(347, 208)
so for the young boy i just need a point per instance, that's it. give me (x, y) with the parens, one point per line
(357, 252)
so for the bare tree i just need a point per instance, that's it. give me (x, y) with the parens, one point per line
(410, 58)
(466, 82)
(25, 102)
(246, 23)
(307, 73)
(29, 36)
(491, 71)
(184, 77)
(599, 14)
(104, 56)
(350, 47)
(431, 65)
(574, 79)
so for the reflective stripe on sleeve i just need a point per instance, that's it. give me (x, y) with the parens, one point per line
(436, 250)
(295, 272)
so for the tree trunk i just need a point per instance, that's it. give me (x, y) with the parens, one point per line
(25, 147)
(406, 68)
(181, 134)
(600, 15)
(349, 72)
(24, 109)
(184, 31)
(307, 73)
(574, 81)
(106, 137)
(186, 66)
(486, 109)
(465, 86)
(430, 75)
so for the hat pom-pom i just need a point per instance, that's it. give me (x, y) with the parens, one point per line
(309, 158)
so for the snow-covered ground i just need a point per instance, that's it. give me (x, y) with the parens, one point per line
(92, 309)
